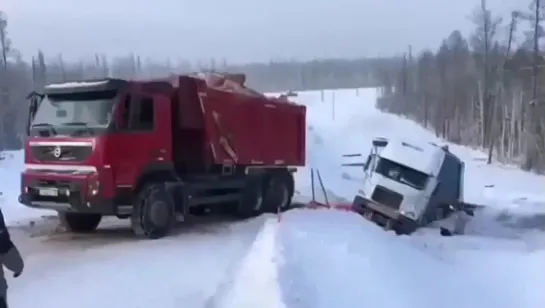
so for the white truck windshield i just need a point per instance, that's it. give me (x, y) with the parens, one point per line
(402, 174)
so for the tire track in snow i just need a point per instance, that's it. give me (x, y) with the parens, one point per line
(297, 289)
(255, 283)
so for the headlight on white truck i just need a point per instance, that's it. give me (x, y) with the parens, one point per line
(409, 214)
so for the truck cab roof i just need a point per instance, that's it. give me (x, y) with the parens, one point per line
(107, 84)
(421, 156)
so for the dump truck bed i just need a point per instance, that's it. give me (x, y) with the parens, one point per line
(239, 125)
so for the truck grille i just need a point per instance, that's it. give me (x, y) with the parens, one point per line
(387, 197)
(53, 183)
(47, 153)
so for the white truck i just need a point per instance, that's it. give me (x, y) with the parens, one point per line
(410, 185)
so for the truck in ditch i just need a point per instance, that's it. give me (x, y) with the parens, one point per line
(157, 151)
(409, 185)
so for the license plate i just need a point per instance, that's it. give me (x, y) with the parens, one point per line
(49, 192)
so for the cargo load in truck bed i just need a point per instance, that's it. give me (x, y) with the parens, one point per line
(220, 121)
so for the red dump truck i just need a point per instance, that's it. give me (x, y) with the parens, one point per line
(157, 151)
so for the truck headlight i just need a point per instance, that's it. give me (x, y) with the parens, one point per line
(409, 214)
(94, 186)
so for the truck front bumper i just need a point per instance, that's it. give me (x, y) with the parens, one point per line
(97, 205)
(72, 194)
(403, 224)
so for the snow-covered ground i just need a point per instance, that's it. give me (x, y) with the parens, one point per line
(308, 258)
(11, 165)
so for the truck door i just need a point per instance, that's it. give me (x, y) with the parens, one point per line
(142, 137)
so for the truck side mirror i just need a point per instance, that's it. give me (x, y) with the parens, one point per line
(367, 163)
(35, 100)
(380, 142)
(121, 114)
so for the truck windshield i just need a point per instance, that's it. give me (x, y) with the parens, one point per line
(91, 109)
(402, 174)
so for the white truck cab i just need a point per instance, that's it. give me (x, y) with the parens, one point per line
(407, 185)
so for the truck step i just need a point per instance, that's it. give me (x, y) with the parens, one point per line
(213, 199)
(205, 184)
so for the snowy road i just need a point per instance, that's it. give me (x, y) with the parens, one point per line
(112, 269)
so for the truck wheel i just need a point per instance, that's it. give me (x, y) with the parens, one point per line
(278, 192)
(153, 213)
(251, 201)
(79, 222)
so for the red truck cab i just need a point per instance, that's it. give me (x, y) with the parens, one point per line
(154, 150)
(65, 167)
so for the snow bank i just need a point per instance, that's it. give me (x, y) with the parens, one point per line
(335, 259)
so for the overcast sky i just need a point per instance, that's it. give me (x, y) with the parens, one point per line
(238, 30)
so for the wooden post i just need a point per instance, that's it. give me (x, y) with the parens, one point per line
(333, 106)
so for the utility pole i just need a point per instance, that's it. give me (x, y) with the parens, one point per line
(333, 105)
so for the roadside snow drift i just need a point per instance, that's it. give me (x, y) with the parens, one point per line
(256, 282)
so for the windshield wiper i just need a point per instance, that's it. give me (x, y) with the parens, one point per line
(84, 128)
(50, 129)
(409, 183)
(74, 124)
(42, 125)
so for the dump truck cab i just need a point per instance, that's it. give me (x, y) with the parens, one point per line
(86, 140)
(408, 185)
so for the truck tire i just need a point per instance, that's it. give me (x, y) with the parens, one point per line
(153, 214)
(445, 232)
(251, 199)
(278, 192)
(79, 222)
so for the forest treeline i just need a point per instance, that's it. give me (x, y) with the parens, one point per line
(485, 90)
(19, 77)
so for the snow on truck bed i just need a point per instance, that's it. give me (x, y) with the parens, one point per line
(310, 258)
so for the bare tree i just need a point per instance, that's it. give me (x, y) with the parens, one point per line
(500, 87)
(5, 46)
(490, 91)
